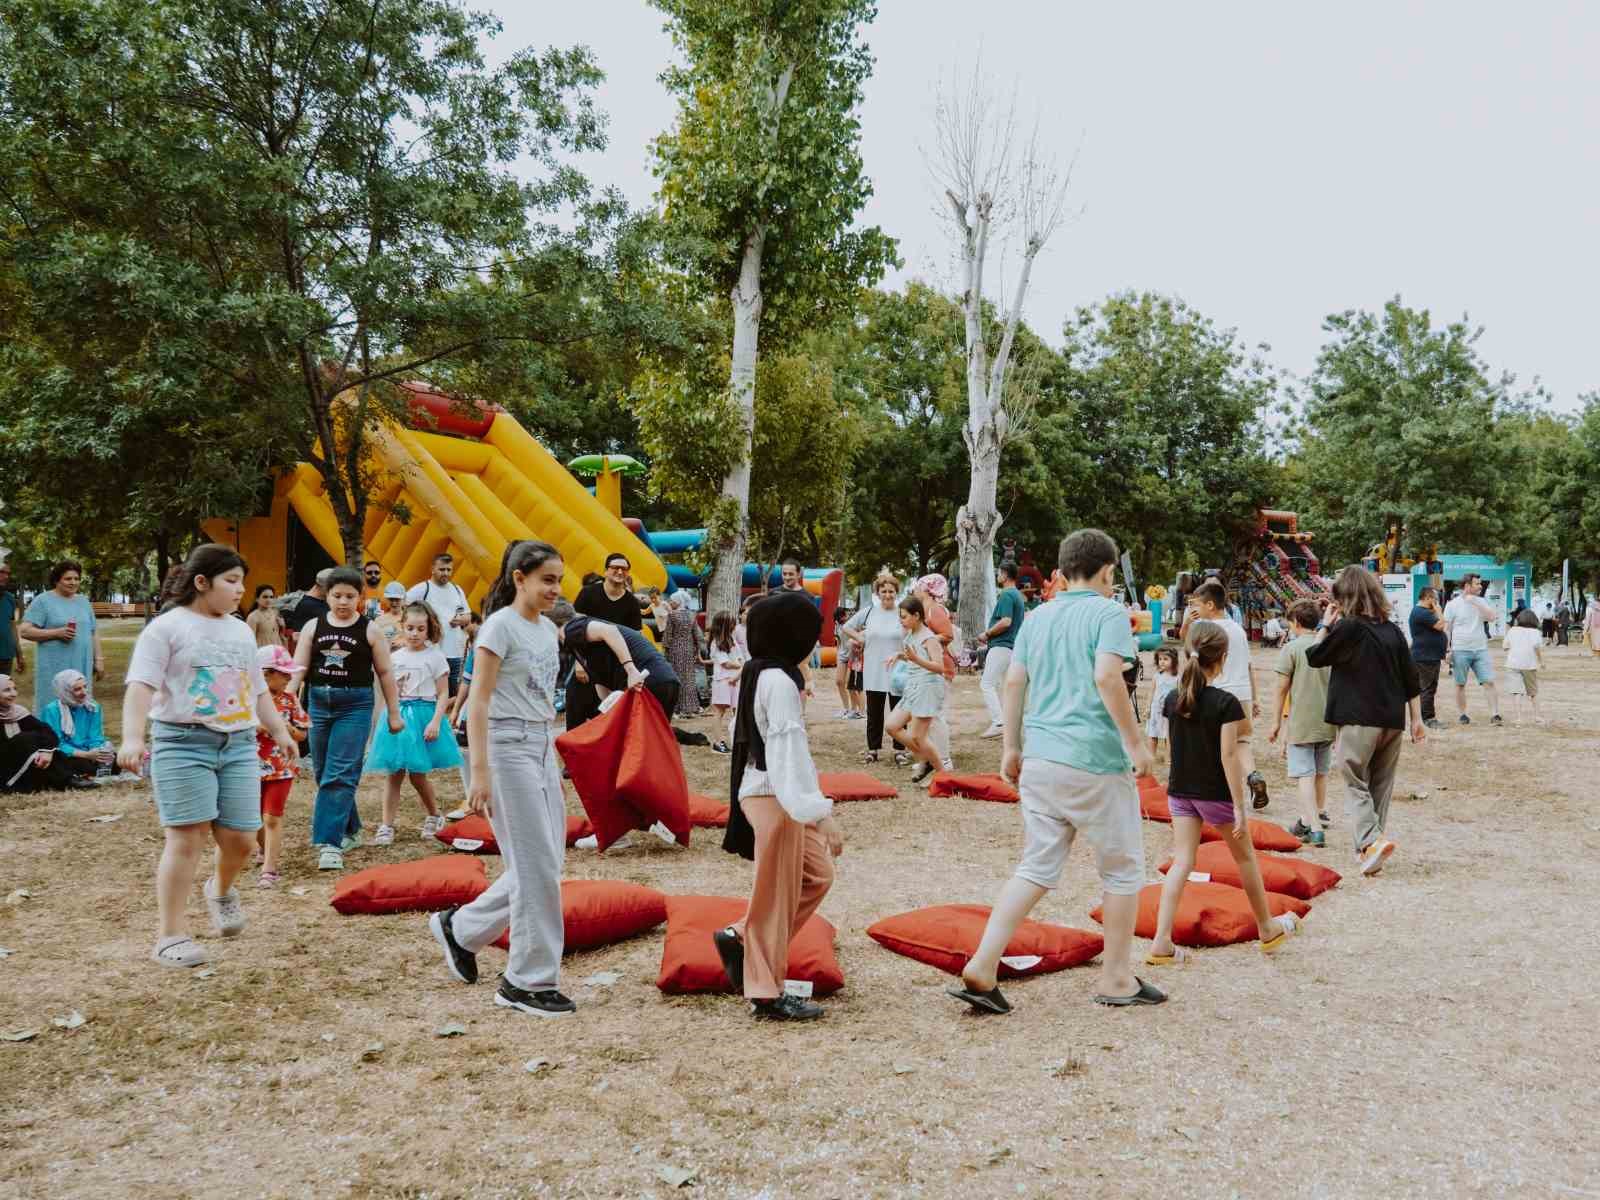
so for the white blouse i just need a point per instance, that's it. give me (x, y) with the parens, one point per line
(790, 775)
(883, 640)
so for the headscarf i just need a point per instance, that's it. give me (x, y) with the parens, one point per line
(935, 585)
(12, 712)
(680, 598)
(781, 630)
(63, 684)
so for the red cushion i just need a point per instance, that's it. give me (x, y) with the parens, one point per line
(973, 787)
(706, 813)
(472, 834)
(423, 885)
(577, 827)
(854, 785)
(689, 960)
(1210, 914)
(1298, 877)
(946, 935)
(1264, 835)
(1153, 800)
(627, 769)
(598, 912)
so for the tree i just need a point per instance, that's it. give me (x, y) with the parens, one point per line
(991, 183)
(280, 206)
(761, 176)
(1558, 511)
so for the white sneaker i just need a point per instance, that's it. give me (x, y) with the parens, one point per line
(431, 826)
(456, 814)
(330, 859)
(227, 914)
(842, 715)
(384, 836)
(993, 731)
(948, 765)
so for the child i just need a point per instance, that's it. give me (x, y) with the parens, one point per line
(1155, 725)
(75, 718)
(855, 681)
(422, 679)
(194, 671)
(1075, 771)
(517, 785)
(725, 660)
(841, 663)
(277, 772)
(1524, 658)
(1207, 786)
(457, 718)
(1303, 695)
(1209, 602)
(923, 698)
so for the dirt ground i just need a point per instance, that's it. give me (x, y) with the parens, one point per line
(1432, 1033)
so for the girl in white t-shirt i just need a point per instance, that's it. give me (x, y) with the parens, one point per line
(422, 680)
(194, 674)
(1524, 658)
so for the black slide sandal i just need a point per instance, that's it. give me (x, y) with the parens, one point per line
(1145, 995)
(984, 1002)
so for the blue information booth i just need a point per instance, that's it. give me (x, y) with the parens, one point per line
(1506, 585)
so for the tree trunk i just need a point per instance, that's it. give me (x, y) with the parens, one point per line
(976, 523)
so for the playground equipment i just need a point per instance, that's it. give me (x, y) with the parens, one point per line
(608, 470)
(1273, 566)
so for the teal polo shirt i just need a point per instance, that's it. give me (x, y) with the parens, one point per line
(1064, 719)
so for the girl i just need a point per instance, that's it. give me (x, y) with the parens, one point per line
(75, 718)
(194, 672)
(517, 785)
(841, 663)
(1206, 784)
(342, 653)
(726, 660)
(458, 713)
(923, 699)
(422, 680)
(277, 773)
(1155, 725)
(876, 629)
(779, 817)
(1524, 657)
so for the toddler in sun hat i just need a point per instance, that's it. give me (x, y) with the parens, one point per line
(277, 775)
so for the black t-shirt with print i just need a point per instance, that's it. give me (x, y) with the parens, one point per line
(341, 656)
(1197, 744)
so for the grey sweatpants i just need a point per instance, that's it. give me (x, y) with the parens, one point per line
(530, 824)
(1368, 757)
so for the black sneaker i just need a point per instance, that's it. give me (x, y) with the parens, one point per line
(720, 748)
(462, 964)
(922, 772)
(1258, 790)
(786, 1008)
(1301, 830)
(1463, 719)
(1324, 819)
(1433, 723)
(1495, 720)
(731, 951)
(539, 1004)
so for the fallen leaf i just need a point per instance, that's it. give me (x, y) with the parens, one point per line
(327, 1037)
(207, 973)
(71, 1021)
(996, 1157)
(1192, 1134)
(535, 1066)
(19, 1035)
(905, 1068)
(372, 1053)
(18, 896)
(454, 1029)
(107, 818)
(676, 1177)
(4, 953)
(603, 978)
(299, 891)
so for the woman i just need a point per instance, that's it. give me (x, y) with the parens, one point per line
(74, 718)
(28, 758)
(264, 620)
(1372, 689)
(876, 628)
(61, 623)
(680, 639)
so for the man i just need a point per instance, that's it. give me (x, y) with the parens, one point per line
(793, 580)
(1272, 632)
(449, 604)
(1208, 602)
(313, 606)
(1428, 644)
(10, 641)
(611, 600)
(372, 574)
(1001, 637)
(1563, 619)
(1467, 646)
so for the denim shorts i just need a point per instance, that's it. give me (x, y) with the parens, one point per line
(1309, 758)
(201, 776)
(1476, 661)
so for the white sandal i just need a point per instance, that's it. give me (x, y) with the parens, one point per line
(180, 951)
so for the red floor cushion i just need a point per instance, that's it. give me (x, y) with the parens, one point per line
(577, 827)
(1301, 878)
(1153, 800)
(689, 960)
(1210, 914)
(423, 885)
(627, 769)
(854, 785)
(598, 912)
(946, 935)
(472, 834)
(1264, 835)
(706, 813)
(973, 787)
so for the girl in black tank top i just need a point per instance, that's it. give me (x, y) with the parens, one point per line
(341, 656)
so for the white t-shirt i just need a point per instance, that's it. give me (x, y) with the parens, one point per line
(417, 672)
(1522, 648)
(790, 775)
(1465, 618)
(530, 657)
(445, 599)
(203, 670)
(1235, 677)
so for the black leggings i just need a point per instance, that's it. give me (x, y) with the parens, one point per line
(877, 704)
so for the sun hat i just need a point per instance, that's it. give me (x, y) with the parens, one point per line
(276, 658)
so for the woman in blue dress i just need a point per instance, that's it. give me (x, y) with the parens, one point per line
(61, 623)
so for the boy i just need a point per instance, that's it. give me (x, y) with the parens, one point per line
(1064, 687)
(1304, 689)
(1209, 602)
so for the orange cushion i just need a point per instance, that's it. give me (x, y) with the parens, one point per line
(1264, 835)
(946, 935)
(854, 785)
(598, 912)
(706, 813)
(1153, 800)
(1298, 877)
(627, 769)
(472, 834)
(1210, 914)
(973, 787)
(577, 827)
(424, 885)
(689, 960)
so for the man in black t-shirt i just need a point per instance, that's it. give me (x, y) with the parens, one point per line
(607, 664)
(1428, 647)
(610, 600)
(313, 606)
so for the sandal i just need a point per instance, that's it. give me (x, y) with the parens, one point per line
(268, 879)
(1180, 957)
(1287, 924)
(982, 1002)
(181, 950)
(1145, 995)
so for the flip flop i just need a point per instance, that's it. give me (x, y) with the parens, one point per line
(1180, 957)
(1145, 995)
(1287, 924)
(984, 1002)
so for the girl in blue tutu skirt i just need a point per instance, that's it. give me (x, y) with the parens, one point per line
(422, 676)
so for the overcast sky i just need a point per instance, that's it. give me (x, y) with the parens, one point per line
(1269, 163)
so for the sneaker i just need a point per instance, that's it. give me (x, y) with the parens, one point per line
(842, 715)
(462, 964)
(549, 1003)
(948, 765)
(922, 772)
(993, 731)
(384, 836)
(1301, 830)
(720, 748)
(1324, 819)
(1463, 719)
(902, 759)
(431, 826)
(731, 951)
(856, 716)
(227, 914)
(1495, 720)
(351, 841)
(1374, 856)
(1258, 790)
(786, 1008)
(1317, 840)
(456, 814)
(331, 859)
(1433, 723)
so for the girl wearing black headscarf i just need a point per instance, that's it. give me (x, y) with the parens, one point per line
(779, 816)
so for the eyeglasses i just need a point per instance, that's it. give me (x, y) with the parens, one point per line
(623, 567)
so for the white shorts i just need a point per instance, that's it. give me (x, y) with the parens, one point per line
(1058, 803)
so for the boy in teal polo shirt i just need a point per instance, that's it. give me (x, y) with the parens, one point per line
(1072, 746)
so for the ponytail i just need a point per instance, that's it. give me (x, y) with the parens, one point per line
(1207, 645)
(523, 556)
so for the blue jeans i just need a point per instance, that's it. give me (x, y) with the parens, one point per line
(341, 718)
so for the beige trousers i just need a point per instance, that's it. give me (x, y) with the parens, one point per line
(793, 873)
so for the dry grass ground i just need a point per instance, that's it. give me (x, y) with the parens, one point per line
(1432, 1033)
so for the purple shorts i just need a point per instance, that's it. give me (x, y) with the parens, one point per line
(1212, 812)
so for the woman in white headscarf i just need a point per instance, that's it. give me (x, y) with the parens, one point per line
(29, 761)
(74, 717)
(680, 642)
